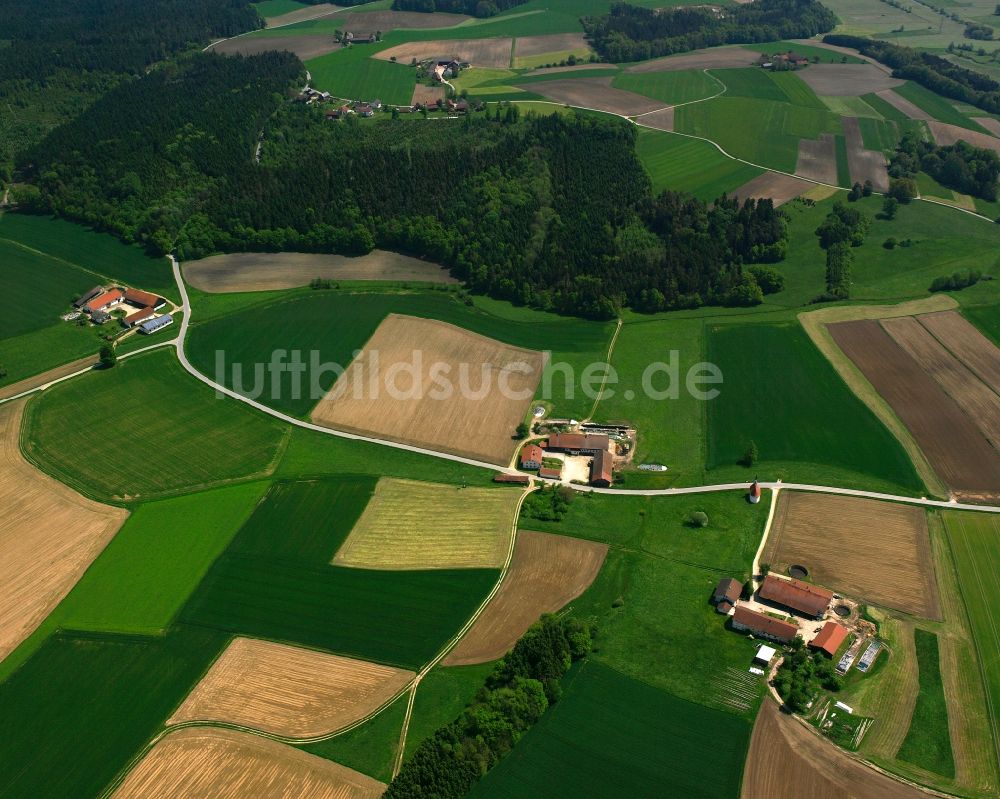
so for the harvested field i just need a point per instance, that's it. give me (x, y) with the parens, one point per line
(945, 134)
(992, 125)
(13, 389)
(847, 80)
(596, 93)
(661, 120)
(224, 764)
(980, 403)
(575, 68)
(478, 425)
(788, 760)
(527, 46)
(902, 104)
(408, 524)
(478, 52)
(305, 46)
(832, 536)
(718, 58)
(864, 164)
(260, 271)
(547, 573)
(818, 159)
(366, 22)
(952, 443)
(426, 95)
(49, 536)
(780, 188)
(969, 345)
(288, 690)
(302, 14)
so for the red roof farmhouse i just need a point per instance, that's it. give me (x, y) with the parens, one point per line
(830, 638)
(104, 301)
(576, 443)
(531, 457)
(600, 469)
(766, 627)
(728, 589)
(143, 298)
(804, 598)
(139, 316)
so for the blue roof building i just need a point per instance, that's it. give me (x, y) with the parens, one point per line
(152, 325)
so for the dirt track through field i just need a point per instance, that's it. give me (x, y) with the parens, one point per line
(779, 188)
(864, 164)
(945, 134)
(493, 53)
(876, 552)
(547, 573)
(718, 58)
(13, 389)
(978, 400)
(818, 159)
(288, 690)
(967, 343)
(224, 764)
(952, 443)
(904, 105)
(527, 46)
(788, 760)
(49, 536)
(847, 80)
(305, 46)
(267, 271)
(476, 418)
(596, 93)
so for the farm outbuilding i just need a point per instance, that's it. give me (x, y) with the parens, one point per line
(152, 325)
(754, 494)
(830, 638)
(809, 600)
(577, 443)
(143, 299)
(601, 469)
(511, 479)
(746, 620)
(728, 590)
(550, 472)
(87, 296)
(139, 316)
(765, 654)
(104, 301)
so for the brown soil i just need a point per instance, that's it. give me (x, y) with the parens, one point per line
(598, 94)
(288, 690)
(818, 159)
(847, 80)
(469, 426)
(13, 389)
(260, 271)
(992, 125)
(427, 95)
(718, 58)
(49, 536)
(952, 443)
(904, 105)
(547, 573)
(367, 22)
(302, 14)
(305, 47)
(778, 187)
(661, 120)
(554, 70)
(527, 46)
(478, 52)
(967, 343)
(978, 401)
(945, 134)
(223, 764)
(832, 537)
(787, 760)
(864, 164)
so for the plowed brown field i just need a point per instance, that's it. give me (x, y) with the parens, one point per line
(779, 188)
(527, 46)
(967, 343)
(945, 134)
(305, 46)
(818, 159)
(598, 94)
(864, 164)
(458, 421)
(547, 573)
(224, 764)
(847, 80)
(478, 52)
(877, 552)
(302, 14)
(717, 58)
(288, 690)
(49, 535)
(904, 105)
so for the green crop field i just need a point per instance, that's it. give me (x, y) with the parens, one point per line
(936, 105)
(145, 429)
(851, 107)
(927, 743)
(612, 736)
(669, 87)
(877, 134)
(682, 164)
(802, 412)
(797, 90)
(814, 54)
(335, 324)
(441, 698)
(987, 319)
(350, 73)
(83, 705)
(274, 8)
(885, 109)
(750, 82)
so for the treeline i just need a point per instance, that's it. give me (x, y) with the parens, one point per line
(842, 229)
(516, 694)
(632, 33)
(959, 166)
(930, 71)
(475, 8)
(802, 674)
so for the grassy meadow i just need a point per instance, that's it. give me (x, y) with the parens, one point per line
(927, 743)
(669, 87)
(351, 73)
(441, 697)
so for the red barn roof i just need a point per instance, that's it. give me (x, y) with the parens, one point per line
(764, 625)
(142, 298)
(728, 589)
(139, 316)
(515, 479)
(550, 472)
(601, 467)
(532, 453)
(755, 489)
(795, 594)
(578, 441)
(830, 638)
(104, 300)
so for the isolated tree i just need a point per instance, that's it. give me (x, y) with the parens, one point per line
(867, 189)
(903, 189)
(107, 357)
(855, 192)
(3, 371)
(699, 519)
(889, 207)
(522, 430)
(751, 455)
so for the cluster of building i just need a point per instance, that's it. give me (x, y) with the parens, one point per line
(597, 446)
(362, 109)
(782, 61)
(450, 68)
(100, 302)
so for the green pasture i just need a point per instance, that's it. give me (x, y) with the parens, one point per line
(914, 24)
(669, 87)
(32, 353)
(884, 109)
(84, 704)
(936, 105)
(927, 743)
(878, 134)
(850, 107)
(803, 411)
(797, 90)
(351, 73)
(750, 82)
(613, 736)
(683, 164)
(178, 435)
(986, 318)
(275, 8)
(843, 166)
(595, 71)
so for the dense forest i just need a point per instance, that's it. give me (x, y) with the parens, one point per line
(631, 33)
(959, 166)
(930, 71)
(476, 8)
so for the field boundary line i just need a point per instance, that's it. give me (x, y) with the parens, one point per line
(604, 382)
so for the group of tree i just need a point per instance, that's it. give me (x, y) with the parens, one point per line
(633, 33)
(802, 674)
(549, 503)
(842, 229)
(930, 71)
(959, 166)
(518, 691)
(475, 8)
(956, 281)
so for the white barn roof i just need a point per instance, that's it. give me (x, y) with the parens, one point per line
(765, 653)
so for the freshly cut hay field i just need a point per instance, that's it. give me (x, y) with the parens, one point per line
(49, 535)
(796, 90)
(668, 87)
(818, 159)
(253, 271)
(288, 690)
(954, 446)
(597, 94)
(478, 52)
(192, 439)
(966, 342)
(305, 46)
(221, 764)
(847, 80)
(546, 573)
(945, 134)
(980, 403)
(613, 736)
(877, 552)
(476, 427)
(717, 58)
(779, 188)
(788, 760)
(864, 164)
(413, 525)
